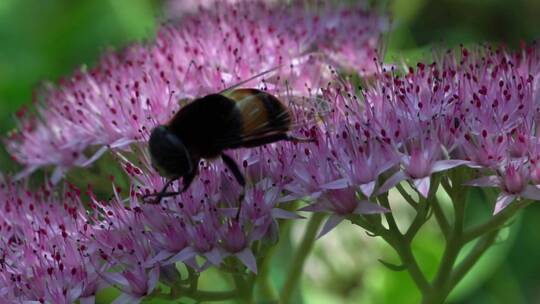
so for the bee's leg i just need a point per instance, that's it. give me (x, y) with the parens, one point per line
(187, 180)
(231, 164)
(273, 138)
(161, 194)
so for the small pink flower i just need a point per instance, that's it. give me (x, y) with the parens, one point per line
(419, 165)
(341, 202)
(513, 182)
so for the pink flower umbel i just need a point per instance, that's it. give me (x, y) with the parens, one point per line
(45, 257)
(118, 101)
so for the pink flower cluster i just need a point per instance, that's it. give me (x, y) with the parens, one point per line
(472, 108)
(478, 108)
(44, 255)
(119, 100)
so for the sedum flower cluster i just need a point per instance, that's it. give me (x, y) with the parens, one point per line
(116, 102)
(474, 108)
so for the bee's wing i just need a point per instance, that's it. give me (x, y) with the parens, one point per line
(261, 112)
(262, 117)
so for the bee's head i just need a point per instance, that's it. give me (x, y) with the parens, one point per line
(170, 156)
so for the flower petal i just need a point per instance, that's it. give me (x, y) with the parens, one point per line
(367, 189)
(443, 165)
(486, 181)
(284, 214)
(531, 192)
(337, 184)
(26, 172)
(391, 182)
(422, 185)
(182, 256)
(317, 206)
(367, 207)
(153, 278)
(122, 142)
(247, 258)
(214, 256)
(502, 201)
(162, 255)
(94, 157)
(57, 175)
(330, 224)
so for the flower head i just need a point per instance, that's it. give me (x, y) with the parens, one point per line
(44, 256)
(118, 101)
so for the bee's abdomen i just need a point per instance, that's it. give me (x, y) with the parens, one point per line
(260, 112)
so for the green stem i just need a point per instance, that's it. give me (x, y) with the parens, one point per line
(440, 217)
(401, 244)
(403, 248)
(418, 221)
(454, 243)
(392, 224)
(267, 290)
(406, 196)
(300, 256)
(496, 221)
(451, 252)
(244, 287)
(201, 295)
(193, 280)
(198, 295)
(470, 260)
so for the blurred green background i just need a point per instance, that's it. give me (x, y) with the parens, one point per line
(43, 40)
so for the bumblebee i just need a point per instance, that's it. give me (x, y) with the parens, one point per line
(208, 126)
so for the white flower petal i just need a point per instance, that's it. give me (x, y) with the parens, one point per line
(443, 165)
(94, 157)
(391, 182)
(502, 201)
(122, 142)
(422, 185)
(57, 175)
(531, 192)
(367, 189)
